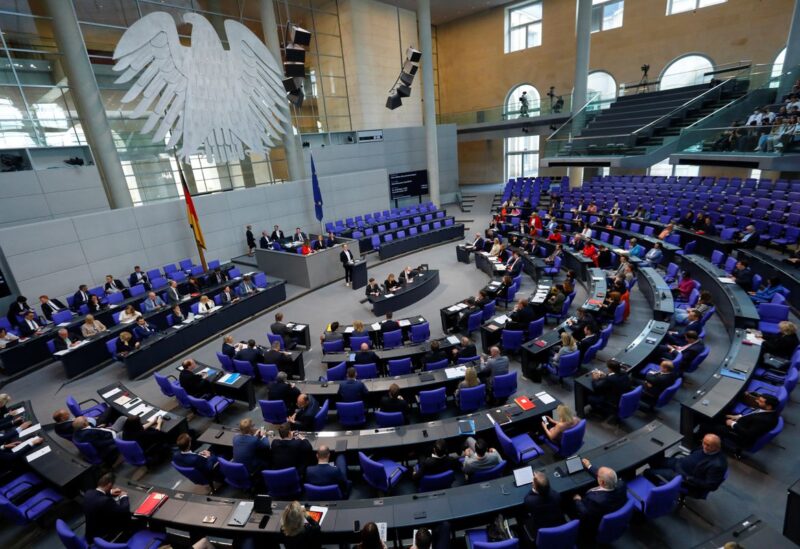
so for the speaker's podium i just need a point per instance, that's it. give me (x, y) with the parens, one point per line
(359, 273)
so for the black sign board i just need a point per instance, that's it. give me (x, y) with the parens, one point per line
(4, 289)
(402, 185)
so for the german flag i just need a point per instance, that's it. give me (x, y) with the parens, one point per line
(191, 213)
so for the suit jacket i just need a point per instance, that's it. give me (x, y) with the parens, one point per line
(324, 475)
(114, 286)
(751, 242)
(744, 278)
(404, 278)
(173, 296)
(228, 350)
(587, 342)
(701, 471)
(61, 345)
(304, 418)
(466, 352)
(434, 356)
(277, 235)
(143, 332)
(227, 297)
(389, 405)
(478, 243)
(264, 243)
(543, 511)
(659, 383)
(105, 516)
(281, 329)
(301, 237)
(346, 257)
(252, 355)
(496, 366)
(284, 392)
(352, 390)
(195, 384)
(514, 266)
(152, 304)
(431, 465)
(137, 278)
(690, 353)
(25, 329)
(612, 387)
(101, 439)
(373, 290)
(48, 309)
(781, 346)
(195, 461)
(318, 245)
(751, 427)
(696, 326)
(521, 318)
(366, 357)
(389, 326)
(282, 361)
(293, 452)
(597, 503)
(251, 451)
(79, 298)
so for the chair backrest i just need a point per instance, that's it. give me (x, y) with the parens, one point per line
(466, 359)
(569, 363)
(591, 352)
(202, 406)
(698, 360)
(226, 362)
(619, 314)
(766, 438)
(235, 474)
(572, 439)
(88, 452)
(440, 481)
(185, 264)
(717, 257)
(438, 365)
(73, 406)
(472, 398)
(392, 339)
(195, 476)
(69, 538)
(773, 312)
(506, 444)
(420, 332)
(336, 373)
(62, 316)
(282, 483)
(511, 543)
(629, 403)
(244, 367)
(662, 499)
(433, 401)
(322, 416)
(605, 333)
(489, 310)
(667, 394)
(329, 492)
(182, 396)
(131, 451)
(272, 338)
(333, 346)
(366, 371)
(355, 342)
(165, 385)
(511, 340)
(613, 525)
(389, 419)
(400, 366)
(564, 536)
(273, 411)
(488, 474)
(535, 328)
(504, 385)
(351, 414)
(118, 297)
(474, 321)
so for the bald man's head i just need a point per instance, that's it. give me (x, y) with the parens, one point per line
(711, 444)
(607, 478)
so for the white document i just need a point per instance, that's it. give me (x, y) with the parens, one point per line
(111, 393)
(224, 378)
(30, 430)
(403, 323)
(376, 326)
(382, 528)
(753, 339)
(726, 280)
(159, 413)
(61, 353)
(523, 476)
(545, 397)
(348, 330)
(502, 319)
(17, 412)
(388, 295)
(22, 445)
(453, 309)
(453, 340)
(299, 327)
(455, 373)
(65, 324)
(141, 410)
(38, 453)
(326, 434)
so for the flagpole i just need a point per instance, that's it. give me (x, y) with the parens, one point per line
(200, 251)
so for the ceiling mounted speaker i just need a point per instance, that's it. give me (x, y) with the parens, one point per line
(403, 90)
(294, 69)
(299, 36)
(290, 84)
(410, 68)
(413, 55)
(406, 78)
(393, 102)
(296, 97)
(295, 53)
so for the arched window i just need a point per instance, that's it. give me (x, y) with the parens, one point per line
(603, 83)
(688, 70)
(515, 108)
(777, 69)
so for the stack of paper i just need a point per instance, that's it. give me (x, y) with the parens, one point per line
(111, 393)
(37, 454)
(502, 319)
(376, 326)
(403, 323)
(545, 397)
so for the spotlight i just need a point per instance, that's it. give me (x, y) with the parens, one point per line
(297, 39)
(295, 53)
(296, 97)
(295, 70)
(393, 102)
(645, 69)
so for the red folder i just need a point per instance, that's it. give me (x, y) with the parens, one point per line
(524, 403)
(539, 343)
(150, 504)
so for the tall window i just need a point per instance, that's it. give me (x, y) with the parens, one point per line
(522, 156)
(523, 26)
(603, 83)
(517, 107)
(607, 14)
(777, 69)
(665, 169)
(680, 6)
(688, 70)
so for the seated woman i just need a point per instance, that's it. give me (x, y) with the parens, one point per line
(766, 293)
(590, 251)
(391, 284)
(496, 248)
(708, 227)
(298, 529)
(783, 344)
(358, 329)
(306, 248)
(129, 315)
(505, 284)
(568, 345)
(609, 306)
(94, 304)
(205, 305)
(470, 380)
(125, 344)
(687, 221)
(685, 286)
(569, 282)
(553, 429)
(699, 222)
(92, 327)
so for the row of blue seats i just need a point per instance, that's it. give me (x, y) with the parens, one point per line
(341, 225)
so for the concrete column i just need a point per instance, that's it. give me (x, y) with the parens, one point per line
(90, 107)
(583, 38)
(428, 101)
(792, 58)
(291, 143)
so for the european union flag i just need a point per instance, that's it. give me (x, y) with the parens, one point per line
(317, 192)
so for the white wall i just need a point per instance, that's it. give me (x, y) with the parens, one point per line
(55, 256)
(374, 49)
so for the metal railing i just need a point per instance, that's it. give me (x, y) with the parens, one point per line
(505, 112)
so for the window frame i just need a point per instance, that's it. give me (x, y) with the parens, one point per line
(508, 27)
(676, 60)
(600, 6)
(697, 6)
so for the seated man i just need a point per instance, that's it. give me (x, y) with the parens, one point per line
(655, 382)
(143, 330)
(522, 315)
(205, 462)
(373, 289)
(462, 317)
(393, 401)
(281, 329)
(138, 277)
(693, 324)
(246, 287)
(195, 384)
(64, 340)
(465, 350)
(107, 511)
(251, 353)
(365, 355)
(325, 473)
(229, 346)
(291, 450)
(307, 409)
(555, 301)
(29, 326)
(590, 337)
(478, 456)
(608, 496)
(101, 438)
(113, 285)
(435, 354)
(438, 462)
(251, 447)
(153, 302)
(608, 387)
(227, 296)
(690, 350)
(581, 320)
(495, 365)
(281, 389)
(743, 275)
(743, 430)
(81, 297)
(389, 325)
(542, 506)
(50, 306)
(281, 359)
(351, 389)
(703, 470)
(514, 264)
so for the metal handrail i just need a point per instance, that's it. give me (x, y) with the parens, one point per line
(571, 118)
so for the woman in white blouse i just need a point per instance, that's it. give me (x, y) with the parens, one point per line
(129, 315)
(205, 305)
(92, 327)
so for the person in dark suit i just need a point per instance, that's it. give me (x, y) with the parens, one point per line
(482, 299)
(29, 326)
(514, 264)
(101, 438)
(251, 447)
(743, 430)
(113, 285)
(351, 389)
(125, 344)
(541, 506)
(18, 308)
(389, 325)
(521, 316)
(205, 462)
(50, 306)
(107, 511)
(281, 389)
(325, 473)
(693, 324)
(577, 325)
(373, 288)
(251, 353)
(439, 461)
(465, 350)
(196, 385)
(173, 295)
(81, 297)
(391, 284)
(319, 243)
(590, 337)
(264, 241)
(65, 340)
(281, 329)
(784, 343)
(347, 258)
(408, 275)
(743, 275)
(330, 240)
(365, 355)
(291, 450)
(299, 235)
(655, 382)
(703, 470)
(462, 317)
(251, 240)
(608, 386)
(749, 238)
(229, 346)
(227, 296)
(138, 277)
(143, 330)
(693, 347)
(307, 409)
(281, 359)
(393, 401)
(331, 334)
(477, 243)
(217, 277)
(277, 234)
(609, 496)
(435, 354)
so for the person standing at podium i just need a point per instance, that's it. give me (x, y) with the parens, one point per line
(347, 259)
(251, 240)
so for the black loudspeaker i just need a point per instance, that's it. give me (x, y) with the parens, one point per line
(403, 90)
(406, 78)
(296, 97)
(791, 522)
(393, 102)
(294, 69)
(410, 68)
(413, 55)
(295, 54)
(300, 36)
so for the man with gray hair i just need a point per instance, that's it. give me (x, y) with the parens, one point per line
(749, 237)
(608, 496)
(494, 365)
(281, 389)
(65, 340)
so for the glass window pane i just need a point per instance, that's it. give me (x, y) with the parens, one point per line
(680, 6)
(704, 3)
(686, 71)
(514, 103)
(612, 15)
(534, 35)
(597, 19)
(517, 39)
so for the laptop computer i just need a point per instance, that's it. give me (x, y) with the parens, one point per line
(574, 465)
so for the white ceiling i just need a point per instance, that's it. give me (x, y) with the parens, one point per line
(443, 11)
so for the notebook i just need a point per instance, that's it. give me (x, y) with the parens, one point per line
(574, 465)
(466, 427)
(524, 403)
(153, 501)
(523, 476)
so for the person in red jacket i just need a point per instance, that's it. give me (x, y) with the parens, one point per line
(590, 251)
